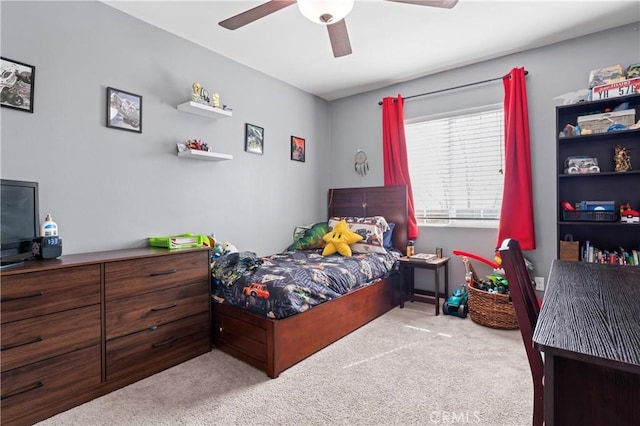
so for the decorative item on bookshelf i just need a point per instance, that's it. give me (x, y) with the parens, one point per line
(622, 159)
(628, 215)
(616, 90)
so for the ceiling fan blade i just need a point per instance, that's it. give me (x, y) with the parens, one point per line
(254, 14)
(339, 38)
(445, 4)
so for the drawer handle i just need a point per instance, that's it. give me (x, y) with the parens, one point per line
(26, 296)
(168, 342)
(11, 395)
(36, 340)
(171, 271)
(164, 308)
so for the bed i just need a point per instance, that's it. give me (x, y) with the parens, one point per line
(274, 345)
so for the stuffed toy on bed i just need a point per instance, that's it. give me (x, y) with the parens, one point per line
(339, 239)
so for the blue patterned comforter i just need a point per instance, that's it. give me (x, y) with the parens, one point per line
(285, 284)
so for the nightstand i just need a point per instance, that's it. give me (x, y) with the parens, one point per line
(407, 288)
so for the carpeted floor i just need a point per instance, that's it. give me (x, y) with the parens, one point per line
(407, 367)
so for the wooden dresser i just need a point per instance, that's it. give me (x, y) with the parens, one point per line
(80, 326)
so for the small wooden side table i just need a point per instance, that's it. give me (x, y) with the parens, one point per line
(408, 291)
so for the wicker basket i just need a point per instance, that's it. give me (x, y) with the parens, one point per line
(493, 310)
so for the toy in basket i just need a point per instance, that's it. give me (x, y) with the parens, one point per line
(491, 307)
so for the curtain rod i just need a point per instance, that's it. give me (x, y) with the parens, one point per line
(453, 88)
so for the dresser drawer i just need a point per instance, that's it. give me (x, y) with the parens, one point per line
(45, 292)
(35, 339)
(131, 314)
(137, 276)
(150, 351)
(48, 387)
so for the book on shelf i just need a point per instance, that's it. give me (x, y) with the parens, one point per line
(591, 254)
(426, 257)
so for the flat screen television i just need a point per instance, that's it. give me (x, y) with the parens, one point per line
(20, 220)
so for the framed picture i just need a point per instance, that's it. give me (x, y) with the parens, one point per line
(297, 148)
(124, 110)
(17, 85)
(253, 138)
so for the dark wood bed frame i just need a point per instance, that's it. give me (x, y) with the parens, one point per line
(273, 345)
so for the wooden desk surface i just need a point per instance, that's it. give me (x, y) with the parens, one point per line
(591, 312)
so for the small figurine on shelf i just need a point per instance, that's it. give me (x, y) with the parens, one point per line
(204, 97)
(195, 97)
(200, 94)
(622, 159)
(215, 100)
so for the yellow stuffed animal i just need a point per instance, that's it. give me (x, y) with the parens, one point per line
(340, 239)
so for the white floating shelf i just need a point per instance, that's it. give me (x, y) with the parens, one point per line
(204, 155)
(204, 110)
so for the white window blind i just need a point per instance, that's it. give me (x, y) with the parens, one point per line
(456, 164)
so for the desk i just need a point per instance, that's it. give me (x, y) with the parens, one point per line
(589, 331)
(407, 267)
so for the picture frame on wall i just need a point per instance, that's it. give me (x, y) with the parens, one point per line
(253, 138)
(298, 149)
(18, 81)
(124, 110)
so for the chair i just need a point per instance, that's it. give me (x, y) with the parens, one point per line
(525, 304)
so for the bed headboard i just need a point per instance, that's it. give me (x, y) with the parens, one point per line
(387, 201)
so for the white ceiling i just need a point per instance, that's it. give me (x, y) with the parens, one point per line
(391, 42)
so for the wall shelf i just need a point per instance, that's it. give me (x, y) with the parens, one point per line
(204, 155)
(203, 110)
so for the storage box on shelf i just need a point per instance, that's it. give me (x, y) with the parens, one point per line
(599, 123)
(589, 216)
(598, 227)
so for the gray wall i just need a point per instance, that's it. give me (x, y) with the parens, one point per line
(553, 70)
(111, 189)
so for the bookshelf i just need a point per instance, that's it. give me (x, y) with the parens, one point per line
(608, 185)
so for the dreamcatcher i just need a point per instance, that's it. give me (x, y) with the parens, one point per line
(361, 165)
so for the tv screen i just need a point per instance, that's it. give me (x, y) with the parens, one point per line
(20, 219)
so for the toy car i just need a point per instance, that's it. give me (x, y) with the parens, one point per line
(256, 290)
(457, 303)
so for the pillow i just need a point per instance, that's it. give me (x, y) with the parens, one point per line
(309, 237)
(339, 239)
(379, 221)
(387, 237)
(370, 228)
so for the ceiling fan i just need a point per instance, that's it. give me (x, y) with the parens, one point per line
(330, 13)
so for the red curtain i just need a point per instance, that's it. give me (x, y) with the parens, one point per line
(394, 146)
(516, 216)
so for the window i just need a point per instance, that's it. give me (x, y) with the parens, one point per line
(455, 164)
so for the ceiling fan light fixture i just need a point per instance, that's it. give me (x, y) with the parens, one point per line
(325, 12)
